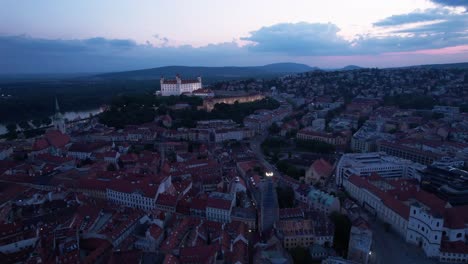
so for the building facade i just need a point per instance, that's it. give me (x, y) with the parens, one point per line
(179, 86)
(365, 164)
(419, 217)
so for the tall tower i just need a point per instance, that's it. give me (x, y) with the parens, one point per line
(269, 204)
(58, 120)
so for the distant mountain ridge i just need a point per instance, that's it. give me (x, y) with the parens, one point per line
(239, 72)
(211, 72)
(460, 65)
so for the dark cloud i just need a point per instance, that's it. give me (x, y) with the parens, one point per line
(112, 43)
(379, 45)
(443, 29)
(416, 16)
(454, 3)
(23, 54)
(281, 42)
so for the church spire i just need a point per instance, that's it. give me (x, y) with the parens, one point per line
(57, 107)
(58, 120)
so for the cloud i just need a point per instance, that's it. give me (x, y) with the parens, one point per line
(453, 3)
(415, 17)
(308, 39)
(110, 43)
(435, 28)
(305, 39)
(23, 54)
(300, 42)
(389, 44)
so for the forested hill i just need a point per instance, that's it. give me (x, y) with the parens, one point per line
(462, 65)
(270, 70)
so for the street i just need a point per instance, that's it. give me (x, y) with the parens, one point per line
(256, 148)
(390, 248)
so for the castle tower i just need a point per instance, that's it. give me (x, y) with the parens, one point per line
(58, 120)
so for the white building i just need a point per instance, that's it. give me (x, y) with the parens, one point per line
(323, 202)
(364, 164)
(232, 134)
(219, 207)
(137, 194)
(417, 216)
(425, 229)
(179, 86)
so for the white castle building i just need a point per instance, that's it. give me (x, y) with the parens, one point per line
(179, 86)
(387, 166)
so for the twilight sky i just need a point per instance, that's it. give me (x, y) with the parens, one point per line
(57, 36)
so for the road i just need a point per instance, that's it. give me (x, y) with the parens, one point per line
(389, 248)
(255, 143)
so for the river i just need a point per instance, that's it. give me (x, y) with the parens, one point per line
(72, 115)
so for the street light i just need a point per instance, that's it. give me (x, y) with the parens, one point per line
(269, 174)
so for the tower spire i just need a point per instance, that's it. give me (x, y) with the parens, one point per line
(58, 120)
(57, 107)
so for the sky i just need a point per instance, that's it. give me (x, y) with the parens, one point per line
(61, 36)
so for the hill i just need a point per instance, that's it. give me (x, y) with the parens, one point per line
(270, 70)
(350, 68)
(461, 65)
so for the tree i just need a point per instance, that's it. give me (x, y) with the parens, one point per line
(290, 169)
(258, 170)
(172, 156)
(361, 121)
(272, 144)
(148, 147)
(24, 125)
(315, 146)
(437, 115)
(36, 122)
(274, 128)
(11, 127)
(301, 255)
(285, 196)
(12, 134)
(111, 167)
(46, 121)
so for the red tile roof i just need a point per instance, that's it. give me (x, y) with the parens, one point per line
(40, 144)
(199, 254)
(57, 138)
(155, 231)
(456, 217)
(199, 204)
(322, 167)
(390, 201)
(167, 200)
(218, 203)
(454, 247)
